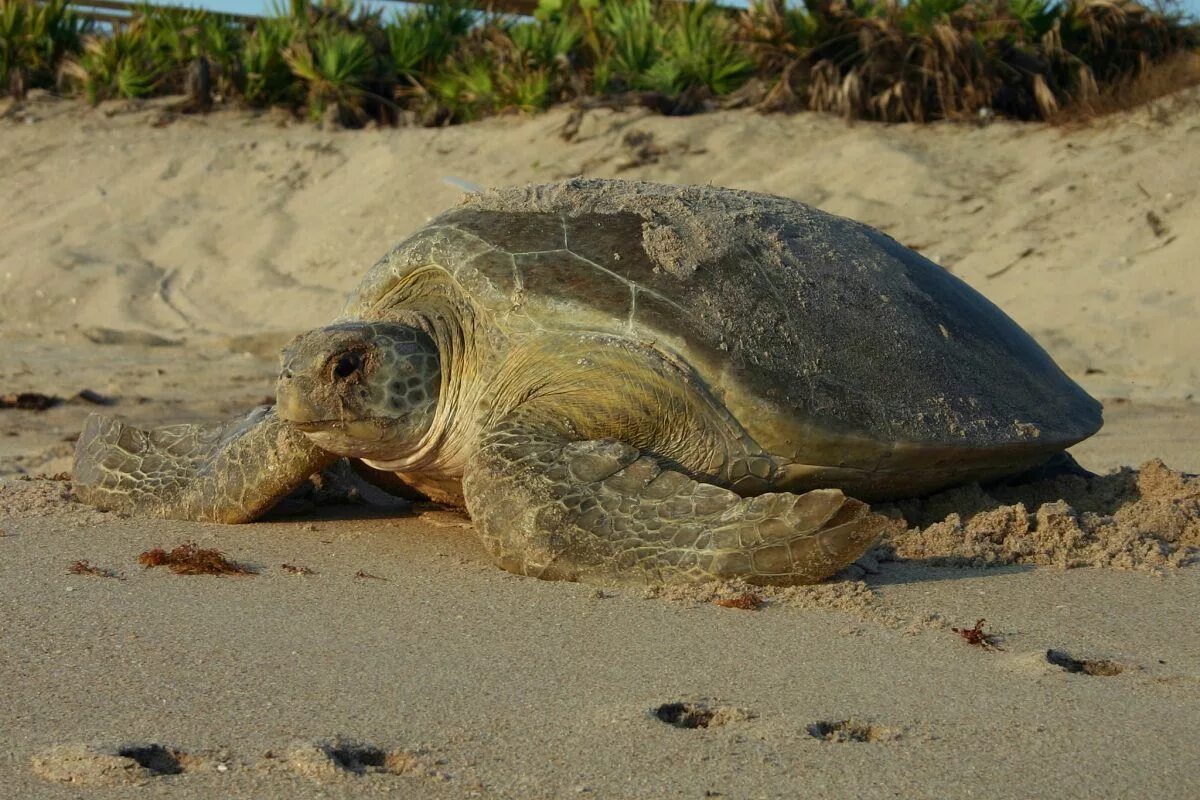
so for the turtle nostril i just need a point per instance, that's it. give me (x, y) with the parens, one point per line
(347, 365)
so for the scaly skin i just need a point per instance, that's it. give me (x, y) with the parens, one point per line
(600, 511)
(599, 459)
(227, 472)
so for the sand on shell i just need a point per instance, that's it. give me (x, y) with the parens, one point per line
(161, 262)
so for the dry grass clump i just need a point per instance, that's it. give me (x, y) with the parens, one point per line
(1156, 89)
(931, 59)
(443, 62)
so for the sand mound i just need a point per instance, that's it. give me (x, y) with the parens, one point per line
(98, 765)
(34, 497)
(340, 758)
(44, 497)
(1146, 518)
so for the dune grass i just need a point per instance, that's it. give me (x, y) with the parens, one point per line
(888, 60)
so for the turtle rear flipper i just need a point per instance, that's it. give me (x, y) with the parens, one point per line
(233, 471)
(600, 511)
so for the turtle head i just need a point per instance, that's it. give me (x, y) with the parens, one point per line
(363, 390)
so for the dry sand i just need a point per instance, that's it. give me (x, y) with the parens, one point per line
(159, 262)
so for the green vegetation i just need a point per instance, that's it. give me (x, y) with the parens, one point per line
(35, 40)
(443, 62)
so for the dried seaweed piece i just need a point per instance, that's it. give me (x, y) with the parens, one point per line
(188, 559)
(29, 401)
(747, 601)
(296, 570)
(85, 567)
(1156, 224)
(362, 574)
(95, 398)
(978, 637)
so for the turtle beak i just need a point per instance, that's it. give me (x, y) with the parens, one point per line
(292, 403)
(291, 399)
(294, 391)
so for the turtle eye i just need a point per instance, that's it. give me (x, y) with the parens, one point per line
(347, 365)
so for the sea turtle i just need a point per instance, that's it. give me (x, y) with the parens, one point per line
(633, 382)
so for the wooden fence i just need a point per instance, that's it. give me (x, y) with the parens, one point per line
(119, 13)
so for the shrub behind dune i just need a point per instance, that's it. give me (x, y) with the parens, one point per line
(445, 62)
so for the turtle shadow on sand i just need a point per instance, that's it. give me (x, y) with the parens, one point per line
(906, 571)
(341, 492)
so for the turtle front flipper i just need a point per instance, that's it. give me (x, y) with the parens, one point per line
(226, 472)
(599, 511)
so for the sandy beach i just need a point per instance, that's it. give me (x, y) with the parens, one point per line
(159, 261)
